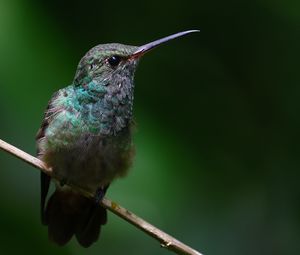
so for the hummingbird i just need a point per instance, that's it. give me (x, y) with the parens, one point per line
(86, 139)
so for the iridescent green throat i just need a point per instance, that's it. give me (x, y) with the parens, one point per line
(105, 106)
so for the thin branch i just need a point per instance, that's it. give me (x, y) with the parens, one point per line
(165, 240)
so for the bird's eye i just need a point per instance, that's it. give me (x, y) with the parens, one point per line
(114, 60)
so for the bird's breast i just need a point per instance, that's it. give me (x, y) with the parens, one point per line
(91, 161)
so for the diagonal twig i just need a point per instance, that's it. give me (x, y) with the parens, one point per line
(165, 240)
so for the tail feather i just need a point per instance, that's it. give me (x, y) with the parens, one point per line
(89, 230)
(68, 213)
(45, 183)
(60, 222)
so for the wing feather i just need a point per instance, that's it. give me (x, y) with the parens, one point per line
(44, 179)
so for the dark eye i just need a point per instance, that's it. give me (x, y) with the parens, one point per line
(114, 60)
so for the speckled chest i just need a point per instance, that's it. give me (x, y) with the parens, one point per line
(88, 145)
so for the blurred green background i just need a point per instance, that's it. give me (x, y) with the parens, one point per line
(217, 162)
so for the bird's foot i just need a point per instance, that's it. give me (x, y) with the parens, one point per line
(100, 192)
(99, 195)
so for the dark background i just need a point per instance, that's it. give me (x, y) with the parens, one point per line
(217, 162)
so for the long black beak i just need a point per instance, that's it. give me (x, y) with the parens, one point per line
(149, 46)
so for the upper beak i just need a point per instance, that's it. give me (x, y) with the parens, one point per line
(149, 46)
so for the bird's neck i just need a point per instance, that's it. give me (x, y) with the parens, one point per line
(105, 107)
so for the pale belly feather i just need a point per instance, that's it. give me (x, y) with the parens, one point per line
(92, 161)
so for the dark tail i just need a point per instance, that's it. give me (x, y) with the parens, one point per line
(68, 213)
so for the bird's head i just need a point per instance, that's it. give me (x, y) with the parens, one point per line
(112, 64)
